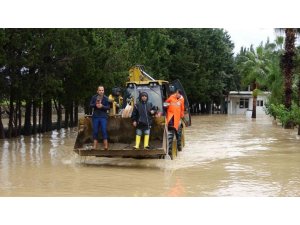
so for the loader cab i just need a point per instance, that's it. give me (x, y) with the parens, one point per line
(157, 93)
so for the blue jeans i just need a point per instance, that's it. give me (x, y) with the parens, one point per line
(139, 132)
(102, 123)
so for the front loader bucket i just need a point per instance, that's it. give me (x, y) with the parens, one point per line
(119, 130)
(121, 137)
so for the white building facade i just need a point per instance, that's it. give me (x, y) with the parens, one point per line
(241, 102)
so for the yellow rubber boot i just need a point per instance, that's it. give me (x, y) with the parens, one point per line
(146, 142)
(137, 142)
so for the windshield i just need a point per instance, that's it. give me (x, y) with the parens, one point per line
(154, 94)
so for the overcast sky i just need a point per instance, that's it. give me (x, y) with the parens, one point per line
(241, 19)
(245, 37)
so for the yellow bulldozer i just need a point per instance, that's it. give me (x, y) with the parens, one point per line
(120, 130)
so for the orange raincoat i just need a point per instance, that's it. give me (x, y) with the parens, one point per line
(176, 109)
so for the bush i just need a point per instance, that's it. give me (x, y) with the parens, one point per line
(278, 111)
(270, 110)
(295, 114)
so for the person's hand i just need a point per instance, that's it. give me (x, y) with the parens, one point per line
(134, 123)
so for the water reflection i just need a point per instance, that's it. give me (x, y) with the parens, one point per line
(223, 156)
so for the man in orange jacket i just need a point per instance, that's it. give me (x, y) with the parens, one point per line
(175, 112)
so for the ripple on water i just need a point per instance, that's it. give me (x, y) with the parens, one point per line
(223, 156)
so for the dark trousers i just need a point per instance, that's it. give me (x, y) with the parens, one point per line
(171, 132)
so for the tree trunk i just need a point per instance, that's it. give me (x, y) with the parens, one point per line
(2, 134)
(202, 108)
(34, 118)
(254, 95)
(11, 116)
(254, 107)
(27, 123)
(19, 118)
(288, 65)
(299, 103)
(208, 108)
(66, 124)
(71, 114)
(75, 114)
(15, 119)
(47, 116)
(40, 117)
(59, 114)
(44, 119)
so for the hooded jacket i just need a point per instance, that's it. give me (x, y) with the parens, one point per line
(141, 112)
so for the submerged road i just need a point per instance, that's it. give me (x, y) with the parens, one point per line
(224, 156)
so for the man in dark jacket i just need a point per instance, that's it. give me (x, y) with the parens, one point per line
(142, 119)
(100, 105)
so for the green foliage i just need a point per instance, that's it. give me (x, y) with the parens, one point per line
(270, 109)
(255, 92)
(68, 64)
(262, 65)
(295, 114)
(279, 111)
(255, 65)
(203, 60)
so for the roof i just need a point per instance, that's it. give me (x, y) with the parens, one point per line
(247, 93)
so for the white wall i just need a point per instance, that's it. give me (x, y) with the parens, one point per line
(234, 105)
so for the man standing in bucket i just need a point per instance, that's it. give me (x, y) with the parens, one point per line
(100, 105)
(175, 112)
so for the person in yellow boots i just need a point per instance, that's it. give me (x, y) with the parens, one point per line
(142, 120)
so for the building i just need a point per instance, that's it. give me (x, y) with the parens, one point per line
(240, 102)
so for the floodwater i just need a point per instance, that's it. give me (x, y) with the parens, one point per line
(224, 156)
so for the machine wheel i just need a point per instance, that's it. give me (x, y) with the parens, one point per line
(173, 154)
(183, 137)
(165, 142)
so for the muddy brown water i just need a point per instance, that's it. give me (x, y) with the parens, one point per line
(224, 156)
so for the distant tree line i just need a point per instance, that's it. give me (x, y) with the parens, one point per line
(42, 69)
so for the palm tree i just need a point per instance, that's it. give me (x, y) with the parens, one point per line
(297, 79)
(255, 68)
(275, 80)
(288, 66)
